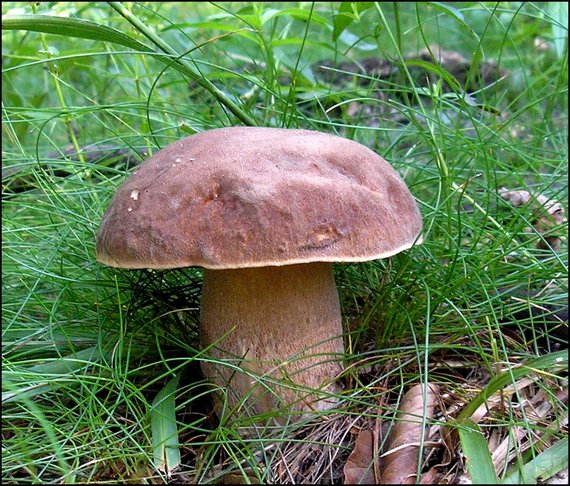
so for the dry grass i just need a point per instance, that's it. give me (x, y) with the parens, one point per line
(530, 414)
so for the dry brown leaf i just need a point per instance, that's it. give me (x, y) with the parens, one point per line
(548, 214)
(433, 476)
(237, 479)
(359, 467)
(400, 462)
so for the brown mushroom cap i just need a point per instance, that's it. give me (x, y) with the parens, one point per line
(252, 197)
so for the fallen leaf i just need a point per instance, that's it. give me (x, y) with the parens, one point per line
(547, 213)
(359, 467)
(399, 464)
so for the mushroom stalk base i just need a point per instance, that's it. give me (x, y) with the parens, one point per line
(282, 326)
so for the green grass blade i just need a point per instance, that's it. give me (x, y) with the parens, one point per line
(347, 12)
(478, 458)
(165, 445)
(181, 64)
(449, 10)
(543, 466)
(91, 30)
(24, 382)
(84, 29)
(437, 70)
(298, 13)
(559, 12)
(69, 477)
(549, 363)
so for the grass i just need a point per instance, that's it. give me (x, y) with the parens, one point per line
(92, 354)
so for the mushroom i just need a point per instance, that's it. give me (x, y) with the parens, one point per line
(265, 212)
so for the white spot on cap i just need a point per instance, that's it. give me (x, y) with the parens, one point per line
(135, 194)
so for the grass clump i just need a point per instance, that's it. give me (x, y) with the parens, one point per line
(463, 99)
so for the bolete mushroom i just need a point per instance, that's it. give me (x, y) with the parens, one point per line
(265, 211)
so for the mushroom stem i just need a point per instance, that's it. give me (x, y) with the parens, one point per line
(280, 322)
